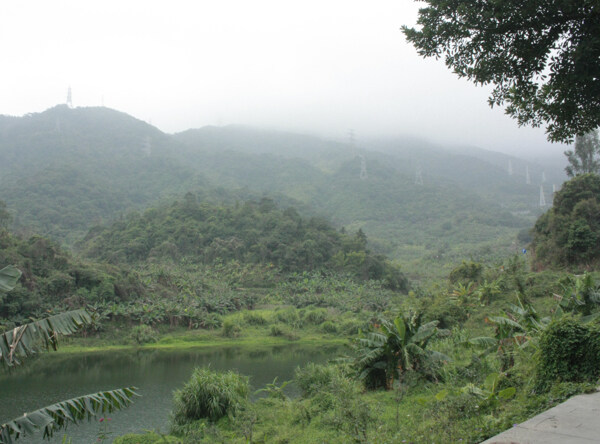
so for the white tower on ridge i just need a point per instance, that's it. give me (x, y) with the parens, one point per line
(69, 98)
(363, 167)
(542, 197)
(418, 176)
(543, 177)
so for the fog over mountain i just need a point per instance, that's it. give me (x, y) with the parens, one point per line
(312, 67)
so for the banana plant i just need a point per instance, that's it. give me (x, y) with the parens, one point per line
(58, 416)
(581, 295)
(488, 392)
(27, 339)
(395, 347)
(9, 276)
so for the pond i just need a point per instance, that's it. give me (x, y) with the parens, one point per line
(156, 373)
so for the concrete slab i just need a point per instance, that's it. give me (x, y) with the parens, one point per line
(575, 421)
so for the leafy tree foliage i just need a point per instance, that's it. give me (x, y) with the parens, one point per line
(541, 56)
(569, 351)
(54, 281)
(586, 156)
(395, 347)
(254, 232)
(569, 233)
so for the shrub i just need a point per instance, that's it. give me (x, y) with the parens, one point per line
(209, 395)
(279, 330)
(312, 378)
(289, 317)
(466, 272)
(352, 326)
(252, 318)
(316, 317)
(336, 398)
(569, 352)
(143, 334)
(329, 327)
(231, 329)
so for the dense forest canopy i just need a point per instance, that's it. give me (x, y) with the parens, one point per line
(68, 170)
(251, 232)
(569, 233)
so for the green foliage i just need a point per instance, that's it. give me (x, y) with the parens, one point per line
(314, 378)
(53, 280)
(569, 233)
(580, 295)
(9, 276)
(72, 411)
(209, 395)
(396, 347)
(569, 352)
(466, 273)
(231, 329)
(25, 340)
(143, 334)
(586, 156)
(541, 56)
(252, 318)
(252, 233)
(148, 438)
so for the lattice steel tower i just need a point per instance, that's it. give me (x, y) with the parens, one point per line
(69, 99)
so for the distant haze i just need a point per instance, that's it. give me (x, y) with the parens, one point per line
(320, 67)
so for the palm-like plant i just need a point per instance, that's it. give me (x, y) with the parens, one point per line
(518, 328)
(397, 346)
(580, 296)
(26, 340)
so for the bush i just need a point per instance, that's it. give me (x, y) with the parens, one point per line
(279, 330)
(252, 318)
(336, 398)
(143, 334)
(351, 327)
(231, 329)
(313, 378)
(316, 317)
(289, 317)
(209, 395)
(466, 272)
(569, 352)
(329, 327)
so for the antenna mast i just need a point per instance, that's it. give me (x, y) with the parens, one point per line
(418, 176)
(69, 99)
(542, 197)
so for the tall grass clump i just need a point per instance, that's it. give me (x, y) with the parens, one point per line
(209, 395)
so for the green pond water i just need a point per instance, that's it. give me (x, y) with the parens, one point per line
(156, 373)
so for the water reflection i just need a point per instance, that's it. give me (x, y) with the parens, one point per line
(54, 377)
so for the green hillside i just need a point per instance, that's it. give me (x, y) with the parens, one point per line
(70, 169)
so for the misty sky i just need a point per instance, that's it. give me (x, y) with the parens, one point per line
(310, 66)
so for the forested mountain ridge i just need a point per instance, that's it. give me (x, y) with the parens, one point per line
(253, 233)
(69, 169)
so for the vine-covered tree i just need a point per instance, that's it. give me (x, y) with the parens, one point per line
(542, 56)
(585, 158)
(569, 233)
